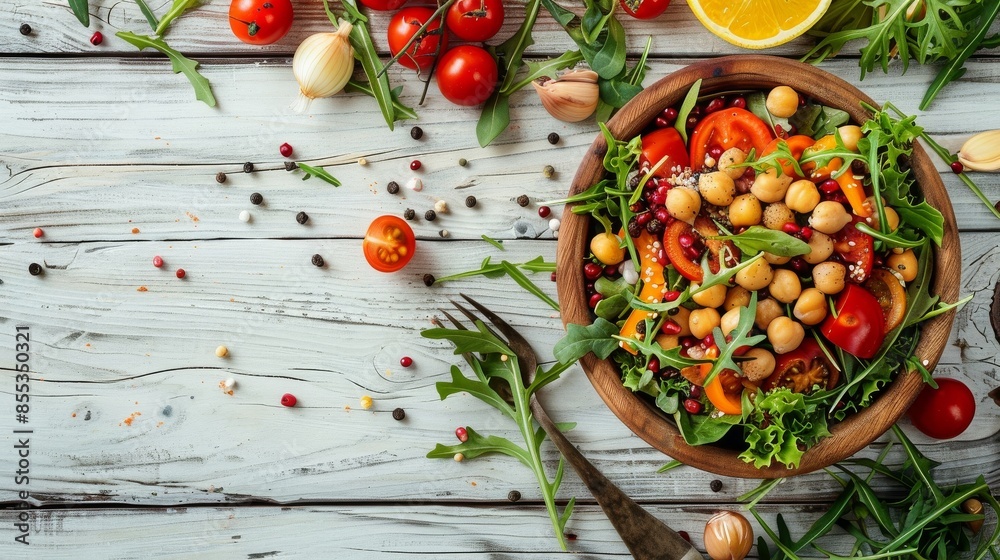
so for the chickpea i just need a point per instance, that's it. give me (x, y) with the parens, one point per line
(777, 215)
(771, 258)
(782, 102)
(737, 296)
(755, 276)
(730, 320)
(744, 210)
(668, 341)
(767, 311)
(905, 264)
(850, 134)
(731, 158)
(683, 203)
(810, 307)
(802, 196)
(702, 321)
(828, 277)
(891, 217)
(820, 248)
(710, 297)
(759, 366)
(769, 187)
(607, 248)
(829, 217)
(717, 188)
(681, 318)
(785, 335)
(785, 286)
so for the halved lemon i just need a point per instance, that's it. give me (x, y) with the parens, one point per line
(758, 24)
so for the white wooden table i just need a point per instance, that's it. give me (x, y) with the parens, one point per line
(136, 452)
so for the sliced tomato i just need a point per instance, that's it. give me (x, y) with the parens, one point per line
(890, 295)
(802, 369)
(857, 248)
(675, 251)
(729, 128)
(796, 144)
(664, 143)
(389, 243)
(857, 325)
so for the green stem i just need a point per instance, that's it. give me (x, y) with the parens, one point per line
(420, 33)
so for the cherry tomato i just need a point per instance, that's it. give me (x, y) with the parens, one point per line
(260, 22)
(665, 142)
(466, 75)
(857, 325)
(890, 295)
(802, 369)
(475, 20)
(675, 251)
(403, 25)
(945, 412)
(388, 244)
(382, 5)
(644, 9)
(857, 249)
(730, 128)
(796, 144)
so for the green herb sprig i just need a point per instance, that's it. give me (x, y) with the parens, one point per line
(490, 269)
(179, 64)
(81, 9)
(318, 172)
(176, 10)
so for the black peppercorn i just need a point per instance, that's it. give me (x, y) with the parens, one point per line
(290, 166)
(430, 215)
(409, 214)
(317, 260)
(523, 200)
(640, 328)
(674, 311)
(429, 280)
(514, 495)
(859, 167)
(398, 414)
(553, 138)
(634, 227)
(34, 269)
(220, 178)
(248, 167)
(470, 201)
(654, 226)
(392, 187)
(256, 199)
(715, 485)
(634, 181)
(416, 133)
(25, 29)
(463, 162)
(302, 218)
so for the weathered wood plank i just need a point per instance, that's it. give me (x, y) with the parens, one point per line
(102, 351)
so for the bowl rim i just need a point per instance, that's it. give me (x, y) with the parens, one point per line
(643, 418)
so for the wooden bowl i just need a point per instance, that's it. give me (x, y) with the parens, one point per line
(641, 415)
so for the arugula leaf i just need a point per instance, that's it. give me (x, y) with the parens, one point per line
(955, 68)
(740, 338)
(81, 9)
(148, 13)
(175, 11)
(465, 340)
(581, 340)
(756, 239)
(318, 172)
(179, 63)
(478, 445)
(545, 68)
(490, 270)
(527, 284)
(493, 242)
(690, 100)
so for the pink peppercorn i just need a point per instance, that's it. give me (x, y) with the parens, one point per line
(957, 167)
(288, 400)
(462, 434)
(38, 232)
(285, 149)
(544, 211)
(552, 277)
(415, 165)
(181, 273)
(157, 261)
(406, 361)
(97, 38)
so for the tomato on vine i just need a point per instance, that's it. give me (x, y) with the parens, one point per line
(475, 20)
(644, 9)
(404, 25)
(260, 22)
(467, 75)
(382, 5)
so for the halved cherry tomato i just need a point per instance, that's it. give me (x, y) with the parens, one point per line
(729, 128)
(389, 243)
(665, 142)
(644, 9)
(945, 412)
(675, 252)
(796, 144)
(857, 325)
(857, 248)
(802, 369)
(890, 295)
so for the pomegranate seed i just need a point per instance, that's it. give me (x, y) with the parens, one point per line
(692, 406)
(544, 211)
(692, 121)
(957, 167)
(739, 103)
(592, 271)
(790, 228)
(594, 300)
(686, 240)
(610, 270)
(802, 101)
(714, 105)
(653, 365)
(688, 341)
(643, 218)
(285, 149)
(692, 253)
(658, 199)
(695, 111)
(415, 165)
(829, 186)
(406, 361)
(97, 38)
(669, 113)
(181, 273)
(662, 122)
(741, 350)
(661, 256)
(662, 189)
(662, 215)
(38, 232)
(792, 130)
(671, 295)
(684, 534)
(877, 261)
(695, 392)
(157, 261)
(708, 341)
(288, 400)
(462, 434)
(806, 232)
(715, 153)
(590, 288)
(552, 276)
(670, 327)
(800, 266)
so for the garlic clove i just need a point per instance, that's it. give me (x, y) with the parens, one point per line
(728, 536)
(570, 98)
(981, 152)
(322, 65)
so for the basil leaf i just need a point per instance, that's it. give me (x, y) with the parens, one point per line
(318, 172)
(690, 100)
(175, 11)
(757, 239)
(81, 9)
(611, 307)
(179, 63)
(818, 121)
(617, 92)
(699, 429)
(150, 16)
(581, 340)
(494, 118)
(757, 104)
(609, 59)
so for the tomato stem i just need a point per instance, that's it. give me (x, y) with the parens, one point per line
(419, 34)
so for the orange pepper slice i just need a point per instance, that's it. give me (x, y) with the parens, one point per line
(727, 403)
